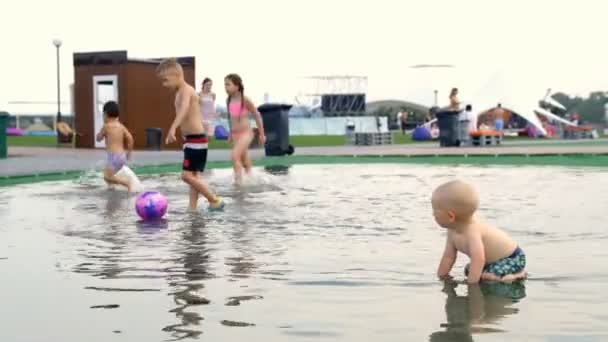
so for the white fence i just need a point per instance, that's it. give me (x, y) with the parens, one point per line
(332, 126)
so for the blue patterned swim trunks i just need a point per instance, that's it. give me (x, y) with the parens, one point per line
(514, 263)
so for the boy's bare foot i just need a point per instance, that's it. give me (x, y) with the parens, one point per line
(218, 204)
(509, 278)
(486, 276)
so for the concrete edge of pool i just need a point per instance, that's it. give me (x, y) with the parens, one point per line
(566, 160)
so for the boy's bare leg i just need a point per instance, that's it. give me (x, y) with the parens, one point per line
(110, 178)
(198, 184)
(486, 276)
(193, 197)
(509, 278)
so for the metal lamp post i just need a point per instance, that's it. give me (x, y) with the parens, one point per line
(57, 43)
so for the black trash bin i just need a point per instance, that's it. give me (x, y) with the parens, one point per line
(449, 128)
(276, 127)
(3, 142)
(154, 138)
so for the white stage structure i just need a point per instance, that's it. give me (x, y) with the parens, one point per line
(503, 88)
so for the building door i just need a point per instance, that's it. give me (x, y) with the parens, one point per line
(105, 88)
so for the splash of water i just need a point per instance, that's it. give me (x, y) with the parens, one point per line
(259, 182)
(126, 172)
(91, 177)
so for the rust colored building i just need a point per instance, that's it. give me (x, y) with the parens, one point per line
(144, 102)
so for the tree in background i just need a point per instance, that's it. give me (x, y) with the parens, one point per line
(590, 109)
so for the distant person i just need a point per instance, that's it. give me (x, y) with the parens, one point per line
(241, 134)
(399, 115)
(454, 101)
(467, 122)
(188, 120)
(470, 117)
(434, 130)
(118, 139)
(403, 121)
(512, 122)
(499, 118)
(208, 113)
(575, 119)
(65, 130)
(432, 114)
(494, 255)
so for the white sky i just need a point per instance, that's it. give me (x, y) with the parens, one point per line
(273, 43)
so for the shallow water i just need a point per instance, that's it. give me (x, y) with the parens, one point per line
(311, 253)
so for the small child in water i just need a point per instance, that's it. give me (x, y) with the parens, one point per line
(494, 255)
(116, 136)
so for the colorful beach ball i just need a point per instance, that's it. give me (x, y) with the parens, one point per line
(151, 205)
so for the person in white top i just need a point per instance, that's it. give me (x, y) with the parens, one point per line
(208, 113)
(471, 118)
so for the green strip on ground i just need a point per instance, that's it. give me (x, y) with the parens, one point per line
(570, 160)
(295, 140)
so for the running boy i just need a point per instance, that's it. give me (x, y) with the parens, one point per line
(116, 136)
(188, 120)
(494, 255)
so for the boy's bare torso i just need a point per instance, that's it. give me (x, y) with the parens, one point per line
(497, 244)
(115, 137)
(192, 123)
(499, 114)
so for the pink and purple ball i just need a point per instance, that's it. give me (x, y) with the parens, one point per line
(151, 205)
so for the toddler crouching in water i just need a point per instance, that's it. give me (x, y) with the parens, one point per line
(494, 255)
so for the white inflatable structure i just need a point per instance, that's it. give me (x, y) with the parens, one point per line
(552, 116)
(502, 89)
(518, 91)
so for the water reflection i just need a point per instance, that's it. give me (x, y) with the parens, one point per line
(116, 203)
(108, 244)
(484, 305)
(152, 227)
(243, 264)
(194, 253)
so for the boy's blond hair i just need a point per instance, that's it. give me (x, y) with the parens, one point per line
(169, 64)
(458, 197)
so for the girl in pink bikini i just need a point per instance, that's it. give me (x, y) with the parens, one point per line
(241, 134)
